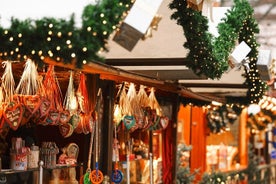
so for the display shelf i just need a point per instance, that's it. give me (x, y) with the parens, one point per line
(12, 171)
(58, 166)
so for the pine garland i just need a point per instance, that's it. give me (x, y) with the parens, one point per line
(59, 39)
(208, 55)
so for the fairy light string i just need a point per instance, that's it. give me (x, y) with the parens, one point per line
(60, 39)
(208, 55)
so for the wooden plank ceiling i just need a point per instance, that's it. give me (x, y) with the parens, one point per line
(163, 57)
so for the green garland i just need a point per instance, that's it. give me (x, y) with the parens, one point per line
(59, 39)
(209, 55)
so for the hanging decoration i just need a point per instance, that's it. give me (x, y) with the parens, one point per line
(139, 111)
(28, 91)
(209, 56)
(69, 117)
(117, 175)
(86, 120)
(259, 121)
(59, 39)
(54, 96)
(96, 176)
(132, 108)
(84, 179)
(13, 110)
(218, 117)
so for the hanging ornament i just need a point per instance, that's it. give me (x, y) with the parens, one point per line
(117, 175)
(28, 90)
(54, 96)
(85, 125)
(131, 106)
(13, 111)
(96, 176)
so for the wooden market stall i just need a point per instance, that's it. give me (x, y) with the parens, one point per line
(102, 76)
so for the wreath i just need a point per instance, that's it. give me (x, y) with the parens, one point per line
(208, 55)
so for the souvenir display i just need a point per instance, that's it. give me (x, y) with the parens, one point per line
(27, 91)
(54, 96)
(12, 108)
(85, 124)
(96, 176)
(117, 175)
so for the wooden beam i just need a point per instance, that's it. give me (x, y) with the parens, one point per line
(115, 74)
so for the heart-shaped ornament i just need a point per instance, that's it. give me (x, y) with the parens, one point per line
(44, 107)
(53, 117)
(79, 127)
(66, 130)
(74, 120)
(32, 103)
(64, 117)
(13, 114)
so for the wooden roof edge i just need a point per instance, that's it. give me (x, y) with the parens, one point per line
(116, 74)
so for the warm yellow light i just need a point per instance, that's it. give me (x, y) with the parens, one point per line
(59, 34)
(89, 29)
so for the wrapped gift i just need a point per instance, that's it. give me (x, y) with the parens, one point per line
(136, 23)
(239, 54)
(263, 64)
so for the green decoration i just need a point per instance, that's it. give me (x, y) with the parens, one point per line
(214, 178)
(219, 117)
(209, 55)
(59, 39)
(183, 173)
